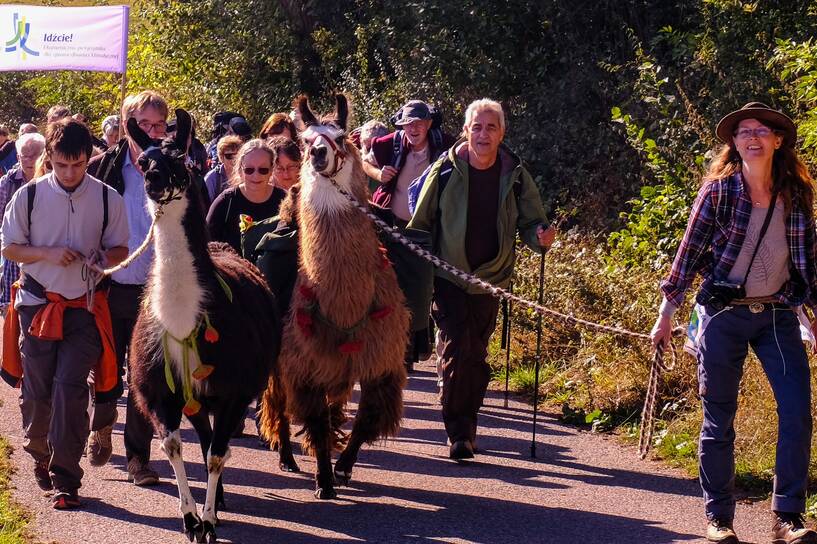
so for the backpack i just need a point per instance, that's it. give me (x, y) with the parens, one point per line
(272, 246)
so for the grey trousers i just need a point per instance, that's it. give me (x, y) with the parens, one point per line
(54, 397)
(774, 336)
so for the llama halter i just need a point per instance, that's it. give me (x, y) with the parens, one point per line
(339, 156)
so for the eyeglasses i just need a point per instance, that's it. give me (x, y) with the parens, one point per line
(147, 126)
(746, 133)
(250, 171)
(229, 156)
(292, 169)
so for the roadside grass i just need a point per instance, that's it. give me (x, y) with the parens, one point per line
(13, 520)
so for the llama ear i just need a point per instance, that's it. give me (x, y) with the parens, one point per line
(138, 135)
(304, 118)
(184, 127)
(341, 110)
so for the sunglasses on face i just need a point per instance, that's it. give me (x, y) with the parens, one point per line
(229, 156)
(250, 171)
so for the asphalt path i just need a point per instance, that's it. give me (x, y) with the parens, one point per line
(581, 487)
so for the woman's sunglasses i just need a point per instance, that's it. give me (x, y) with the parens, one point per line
(250, 171)
(229, 156)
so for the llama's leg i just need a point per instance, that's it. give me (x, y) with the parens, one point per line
(378, 415)
(313, 410)
(275, 424)
(169, 419)
(225, 422)
(201, 422)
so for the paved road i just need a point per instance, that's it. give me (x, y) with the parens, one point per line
(581, 488)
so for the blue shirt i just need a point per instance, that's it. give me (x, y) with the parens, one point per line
(138, 225)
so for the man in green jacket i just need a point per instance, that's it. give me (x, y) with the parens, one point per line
(473, 202)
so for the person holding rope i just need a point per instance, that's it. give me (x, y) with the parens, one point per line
(119, 168)
(751, 236)
(61, 228)
(473, 201)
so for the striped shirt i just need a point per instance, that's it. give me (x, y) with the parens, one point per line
(715, 233)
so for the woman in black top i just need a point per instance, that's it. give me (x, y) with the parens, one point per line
(251, 193)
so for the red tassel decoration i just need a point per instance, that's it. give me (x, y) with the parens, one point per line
(353, 346)
(308, 293)
(381, 313)
(191, 407)
(211, 334)
(203, 371)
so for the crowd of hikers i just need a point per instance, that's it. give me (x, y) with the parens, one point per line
(75, 203)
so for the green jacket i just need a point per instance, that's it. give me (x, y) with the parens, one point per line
(523, 213)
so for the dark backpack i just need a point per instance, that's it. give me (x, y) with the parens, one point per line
(272, 246)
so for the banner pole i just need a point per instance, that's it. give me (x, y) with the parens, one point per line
(122, 102)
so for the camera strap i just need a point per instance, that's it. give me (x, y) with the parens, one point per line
(766, 221)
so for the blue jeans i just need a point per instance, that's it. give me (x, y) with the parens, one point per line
(775, 338)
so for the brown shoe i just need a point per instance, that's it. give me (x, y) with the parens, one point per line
(99, 446)
(789, 529)
(721, 531)
(42, 475)
(141, 474)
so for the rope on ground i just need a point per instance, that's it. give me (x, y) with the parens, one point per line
(658, 365)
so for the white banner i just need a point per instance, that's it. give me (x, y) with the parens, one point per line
(52, 38)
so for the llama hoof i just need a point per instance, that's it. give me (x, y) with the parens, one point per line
(289, 466)
(342, 477)
(192, 526)
(208, 533)
(326, 493)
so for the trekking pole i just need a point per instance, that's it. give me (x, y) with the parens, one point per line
(507, 308)
(538, 352)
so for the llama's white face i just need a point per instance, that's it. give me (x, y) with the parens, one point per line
(325, 148)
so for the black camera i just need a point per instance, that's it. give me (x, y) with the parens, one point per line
(718, 293)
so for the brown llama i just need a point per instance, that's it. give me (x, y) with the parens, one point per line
(347, 321)
(208, 330)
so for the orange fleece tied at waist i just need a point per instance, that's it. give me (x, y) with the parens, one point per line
(48, 325)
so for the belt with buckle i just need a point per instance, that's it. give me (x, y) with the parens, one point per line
(758, 304)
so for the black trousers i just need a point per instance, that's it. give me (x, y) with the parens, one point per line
(124, 302)
(466, 323)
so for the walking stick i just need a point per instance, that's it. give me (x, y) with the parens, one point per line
(538, 352)
(507, 308)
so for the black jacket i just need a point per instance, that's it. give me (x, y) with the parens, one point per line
(108, 169)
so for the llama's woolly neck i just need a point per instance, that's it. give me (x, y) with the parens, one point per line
(320, 196)
(176, 294)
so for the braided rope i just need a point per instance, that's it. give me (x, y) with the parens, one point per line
(142, 247)
(658, 364)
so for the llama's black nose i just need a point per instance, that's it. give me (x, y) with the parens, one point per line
(318, 152)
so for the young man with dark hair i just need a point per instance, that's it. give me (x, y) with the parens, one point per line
(61, 228)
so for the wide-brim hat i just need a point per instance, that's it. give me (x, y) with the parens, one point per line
(763, 113)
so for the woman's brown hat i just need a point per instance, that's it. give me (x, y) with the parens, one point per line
(763, 113)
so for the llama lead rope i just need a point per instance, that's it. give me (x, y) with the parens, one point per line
(656, 368)
(142, 247)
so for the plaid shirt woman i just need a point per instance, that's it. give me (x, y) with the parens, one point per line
(756, 175)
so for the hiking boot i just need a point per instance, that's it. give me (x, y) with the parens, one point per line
(42, 475)
(460, 450)
(141, 474)
(788, 528)
(99, 446)
(65, 499)
(720, 531)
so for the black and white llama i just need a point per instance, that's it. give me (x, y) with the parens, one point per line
(207, 336)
